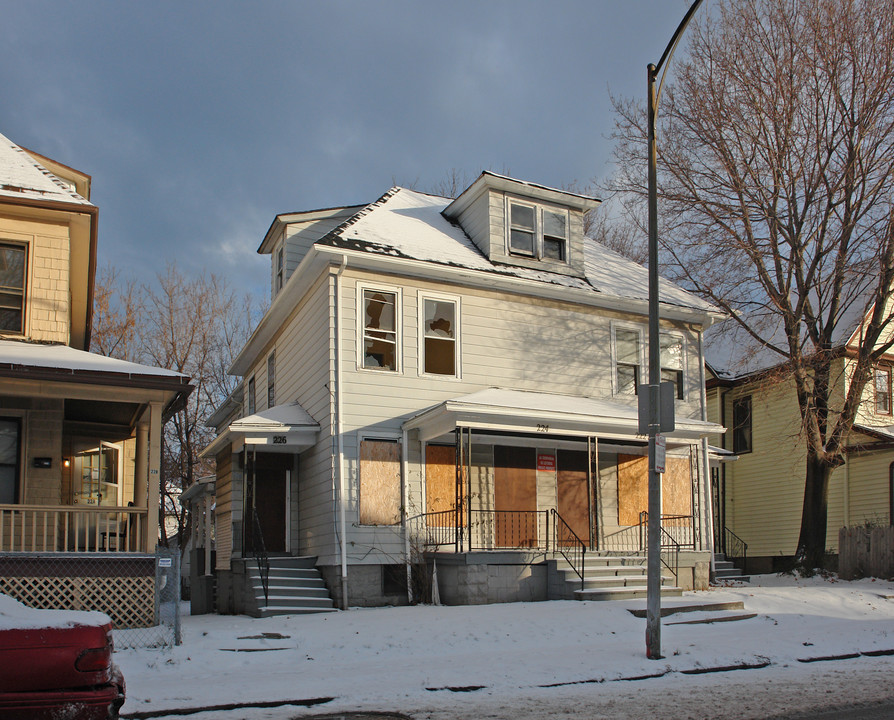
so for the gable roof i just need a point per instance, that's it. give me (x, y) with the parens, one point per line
(23, 177)
(409, 224)
(406, 231)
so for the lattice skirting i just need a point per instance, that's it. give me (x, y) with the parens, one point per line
(129, 601)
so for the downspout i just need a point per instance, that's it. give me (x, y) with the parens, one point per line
(706, 462)
(340, 432)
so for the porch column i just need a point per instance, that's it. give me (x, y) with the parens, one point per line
(141, 466)
(207, 530)
(153, 502)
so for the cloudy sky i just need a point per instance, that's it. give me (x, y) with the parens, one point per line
(199, 121)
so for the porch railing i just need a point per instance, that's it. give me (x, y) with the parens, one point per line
(541, 530)
(570, 546)
(735, 548)
(72, 528)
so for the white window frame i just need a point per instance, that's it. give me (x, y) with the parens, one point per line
(630, 327)
(384, 436)
(398, 326)
(539, 209)
(643, 353)
(678, 335)
(271, 381)
(422, 296)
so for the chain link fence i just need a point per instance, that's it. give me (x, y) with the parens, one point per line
(140, 593)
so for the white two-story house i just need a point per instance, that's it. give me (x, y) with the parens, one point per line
(80, 434)
(454, 379)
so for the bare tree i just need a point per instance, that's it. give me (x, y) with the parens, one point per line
(116, 315)
(776, 185)
(195, 326)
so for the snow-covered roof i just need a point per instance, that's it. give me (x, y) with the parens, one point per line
(885, 432)
(502, 409)
(409, 224)
(21, 355)
(732, 352)
(21, 176)
(279, 418)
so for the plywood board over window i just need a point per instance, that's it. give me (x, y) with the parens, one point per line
(379, 482)
(440, 484)
(633, 488)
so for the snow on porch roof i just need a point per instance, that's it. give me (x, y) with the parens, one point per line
(282, 428)
(533, 412)
(27, 356)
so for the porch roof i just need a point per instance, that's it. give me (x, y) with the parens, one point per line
(282, 428)
(542, 413)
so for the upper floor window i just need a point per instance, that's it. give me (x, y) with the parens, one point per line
(251, 396)
(12, 287)
(279, 269)
(883, 390)
(271, 377)
(537, 232)
(440, 336)
(628, 354)
(742, 424)
(380, 336)
(672, 362)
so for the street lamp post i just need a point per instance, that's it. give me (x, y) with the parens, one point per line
(656, 449)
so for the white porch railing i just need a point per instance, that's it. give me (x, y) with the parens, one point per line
(71, 528)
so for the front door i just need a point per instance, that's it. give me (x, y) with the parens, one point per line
(515, 497)
(573, 489)
(270, 485)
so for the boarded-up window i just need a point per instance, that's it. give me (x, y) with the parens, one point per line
(633, 488)
(515, 496)
(440, 484)
(572, 487)
(379, 482)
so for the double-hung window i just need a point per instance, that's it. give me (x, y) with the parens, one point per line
(279, 269)
(537, 232)
(882, 385)
(672, 362)
(271, 378)
(440, 337)
(379, 313)
(13, 261)
(628, 359)
(742, 424)
(251, 396)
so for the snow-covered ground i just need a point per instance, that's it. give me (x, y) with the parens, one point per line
(561, 659)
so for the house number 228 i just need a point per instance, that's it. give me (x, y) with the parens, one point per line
(542, 428)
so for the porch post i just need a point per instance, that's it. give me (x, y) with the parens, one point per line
(153, 495)
(207, 530)
(141, 466)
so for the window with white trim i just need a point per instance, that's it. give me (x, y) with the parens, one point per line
(537, 232)
(251, 396)
(271, 377)
(672, 361)
(882, 385)
(13, 261)
(280, 264)
(628, 359)
(440, 336)
(380, 337)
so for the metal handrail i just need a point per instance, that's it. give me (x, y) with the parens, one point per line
(668, 542)
(259, 551)
(731, 540)
(576, 548)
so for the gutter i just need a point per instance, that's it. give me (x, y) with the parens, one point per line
(339, 409)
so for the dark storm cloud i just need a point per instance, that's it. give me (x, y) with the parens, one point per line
(201, 120)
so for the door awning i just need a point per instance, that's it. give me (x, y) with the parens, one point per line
(538, 413)
(283, 428)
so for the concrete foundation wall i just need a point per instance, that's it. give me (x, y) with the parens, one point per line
(483, 578)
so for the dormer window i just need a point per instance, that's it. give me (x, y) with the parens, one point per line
(538, 232)
(279, 269)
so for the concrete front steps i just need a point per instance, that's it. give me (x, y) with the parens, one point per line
(614, 578)
(725, 570)
(294, 587)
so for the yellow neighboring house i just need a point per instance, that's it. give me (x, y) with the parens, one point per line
(80, 434)
(758, 498)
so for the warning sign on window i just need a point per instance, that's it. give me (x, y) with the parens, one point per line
(546, 462)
